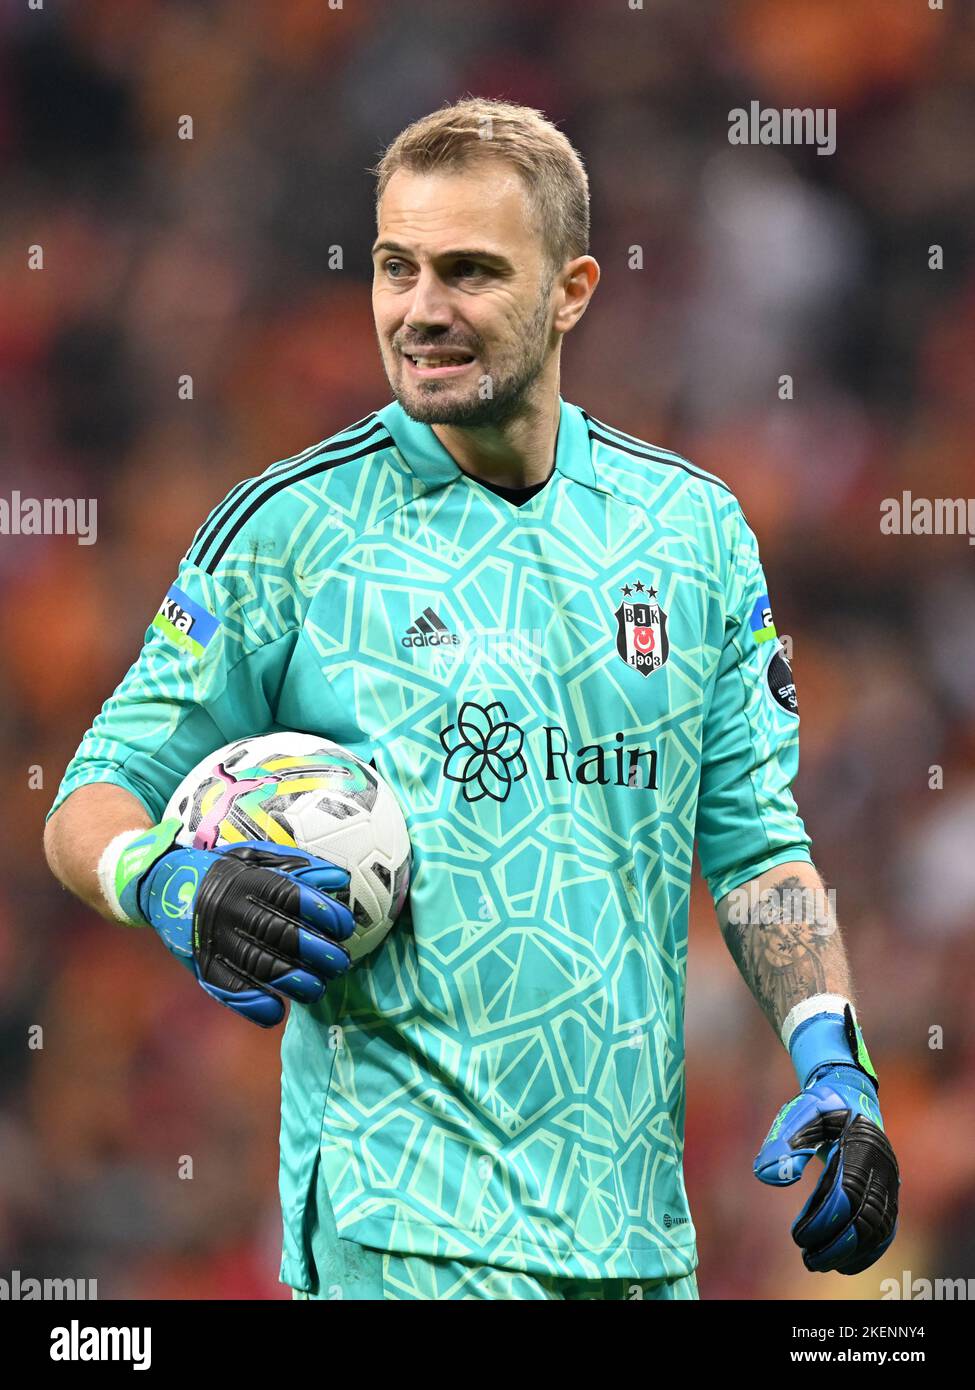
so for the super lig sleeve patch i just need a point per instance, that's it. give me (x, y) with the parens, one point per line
(763, 628)
(184, 622)
(778, 678)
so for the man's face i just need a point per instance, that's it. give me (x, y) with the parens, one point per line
(461, 294)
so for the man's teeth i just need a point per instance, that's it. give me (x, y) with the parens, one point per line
(440, 361)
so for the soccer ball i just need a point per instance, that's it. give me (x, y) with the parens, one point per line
(299, 789)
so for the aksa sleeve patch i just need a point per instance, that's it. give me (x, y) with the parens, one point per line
(762, 625)
(184, 622)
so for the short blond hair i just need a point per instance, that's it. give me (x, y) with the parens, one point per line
(476, 128)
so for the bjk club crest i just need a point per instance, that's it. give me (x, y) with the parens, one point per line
(641, 638)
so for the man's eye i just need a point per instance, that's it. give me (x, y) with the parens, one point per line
(467, 269)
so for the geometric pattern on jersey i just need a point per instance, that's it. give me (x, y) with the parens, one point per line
(502, 1082)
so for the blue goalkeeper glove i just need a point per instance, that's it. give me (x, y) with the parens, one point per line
(248, 919)
(850, 1218)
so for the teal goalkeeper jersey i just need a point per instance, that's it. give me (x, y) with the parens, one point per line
(564, 696)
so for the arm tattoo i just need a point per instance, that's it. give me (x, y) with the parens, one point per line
(786, 945)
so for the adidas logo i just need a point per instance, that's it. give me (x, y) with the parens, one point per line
(429, 631)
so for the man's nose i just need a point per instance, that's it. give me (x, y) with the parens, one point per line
(428, 307)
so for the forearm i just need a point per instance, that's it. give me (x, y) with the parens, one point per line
(783, 935)
(78, 832)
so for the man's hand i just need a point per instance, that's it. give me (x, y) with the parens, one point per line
(851, 1217)
(247, 919)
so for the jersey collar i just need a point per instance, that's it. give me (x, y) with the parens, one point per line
(428, 458)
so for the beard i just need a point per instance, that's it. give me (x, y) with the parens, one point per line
(434, 403)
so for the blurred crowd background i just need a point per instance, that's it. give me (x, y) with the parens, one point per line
(210, 257)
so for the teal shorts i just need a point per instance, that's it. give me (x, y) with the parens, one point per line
(360, 1273)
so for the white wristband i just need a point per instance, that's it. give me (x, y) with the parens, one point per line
(107, 867)
(808, 1008)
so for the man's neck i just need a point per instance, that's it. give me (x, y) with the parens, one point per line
(516, 455)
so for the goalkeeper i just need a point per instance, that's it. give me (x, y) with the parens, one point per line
(505, 1115)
